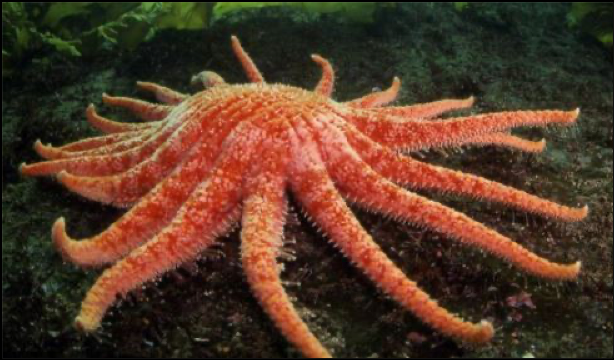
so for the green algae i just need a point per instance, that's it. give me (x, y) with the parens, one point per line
(91, 28)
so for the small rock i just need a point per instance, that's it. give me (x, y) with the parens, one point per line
(522, 299)
(416, 338)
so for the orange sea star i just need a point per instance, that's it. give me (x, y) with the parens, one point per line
(203, 162)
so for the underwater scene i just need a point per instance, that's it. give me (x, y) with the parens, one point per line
(308, 179)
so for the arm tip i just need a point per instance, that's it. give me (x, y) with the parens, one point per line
(22, 168)
(58, 228)
(61, 176)
(39, 148)
(576, 268)
(59, 237)
(86, 325)
(484, 333)
(470, 100)
(573, 115)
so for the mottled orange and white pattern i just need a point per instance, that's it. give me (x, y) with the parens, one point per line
(201, 163)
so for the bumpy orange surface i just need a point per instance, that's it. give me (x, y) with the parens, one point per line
(201, 163)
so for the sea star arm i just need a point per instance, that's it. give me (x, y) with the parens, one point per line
(364, 185)
(95, 146)
(327, 82)
(319, 197)
(499, 139)
(250, 68)
(405, 170)
(158, 207)
(104, 145)
(51, 153)
(206, 214)
(162, 93)
(143, 109)
(98, 141)
(110, 127)
(436, 108)
(417, 135)
(261, 239)
(184, 130)
(508, 141)
(127, 187)
(379, 98)
(428, 110)
(200, 221)
(99, 165)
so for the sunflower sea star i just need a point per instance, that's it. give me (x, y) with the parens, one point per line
(200, 163)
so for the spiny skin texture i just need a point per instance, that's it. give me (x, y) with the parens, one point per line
(201, 163)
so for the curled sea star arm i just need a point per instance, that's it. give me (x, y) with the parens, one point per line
(158, 207)
(246, 61)
(207, 213)
(326, 84)
(417, 135)
(407, 171)
(264, 211)
(379, 98)
(321, 200)
(162, 93)
(143, 109)
(110, 127)
(428, 110)
(367, 187)
(178, 243)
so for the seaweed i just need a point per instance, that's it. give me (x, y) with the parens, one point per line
(20, 34)
(460, 6)
(89, 28)
(362, 12)
(126, 31)
(5, 62)
(594, 18)
(186, 15)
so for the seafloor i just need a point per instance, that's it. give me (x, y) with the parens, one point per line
(509, 56)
